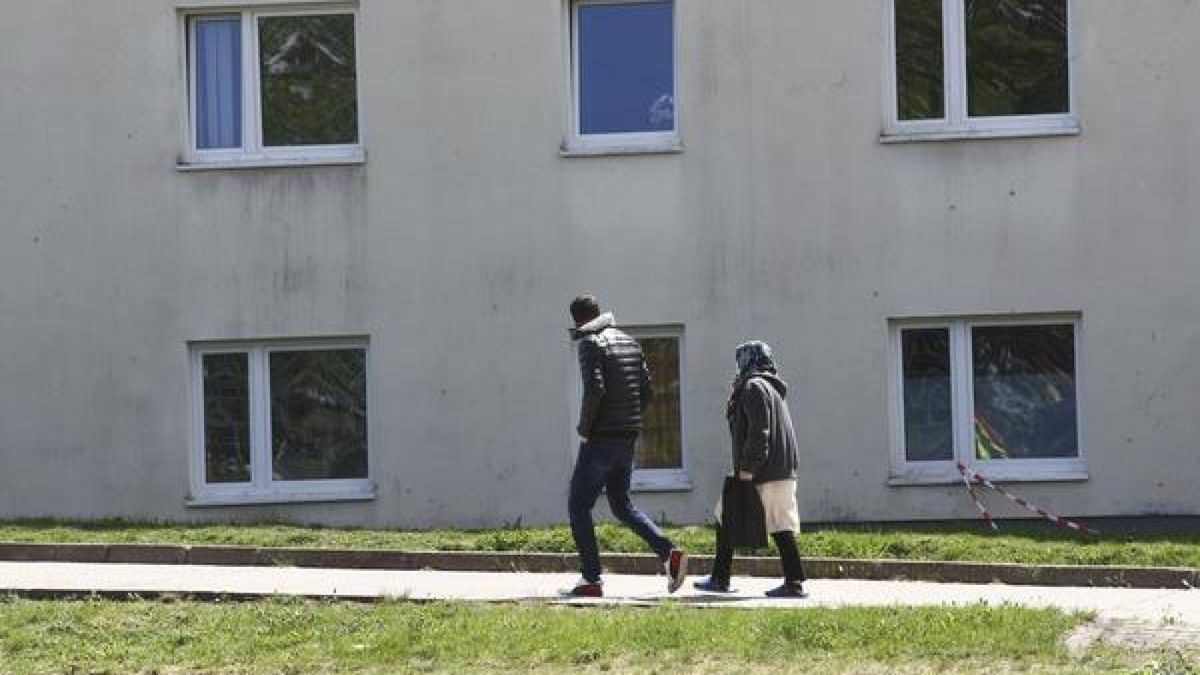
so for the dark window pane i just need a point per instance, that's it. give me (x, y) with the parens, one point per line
(218, 83)
(226, 418)
(308, 80)
(928, 413)
(1024, 392)
(319, 414)
(659, 446)
(1017, 57)
(626, 68)
(920, 71)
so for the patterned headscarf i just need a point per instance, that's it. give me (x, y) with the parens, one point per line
(752, 357)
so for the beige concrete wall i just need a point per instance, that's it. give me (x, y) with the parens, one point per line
(458, 244)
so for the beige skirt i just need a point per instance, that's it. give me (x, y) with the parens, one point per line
(779, 505)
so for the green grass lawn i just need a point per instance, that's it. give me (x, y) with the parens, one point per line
(293, 636)
(968, 541)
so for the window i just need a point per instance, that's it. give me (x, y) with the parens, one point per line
(279, 422)
(272, 87)
(979, 68)
(659, 461)
(998, 395)
(622, 76)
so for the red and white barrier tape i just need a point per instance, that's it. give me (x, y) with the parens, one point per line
(970, 477)
(987, 517)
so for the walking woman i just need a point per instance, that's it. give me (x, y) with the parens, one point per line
(764, 451)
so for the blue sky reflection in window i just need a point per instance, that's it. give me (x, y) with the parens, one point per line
(626, 68)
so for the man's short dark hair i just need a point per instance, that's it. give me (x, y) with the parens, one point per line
(585, 308)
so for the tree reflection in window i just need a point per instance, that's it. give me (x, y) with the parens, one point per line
(308, 76)
(1024, 387)
(660, 445)
(1017, 57)
(318, 414)
(226, 418)
(920, 69)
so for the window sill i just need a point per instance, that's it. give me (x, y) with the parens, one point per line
(684, 486)
(997, 475)
(349, 159)
(268, 498)
(237, 4)
(922, 136)
(660, 480)
(671, 147)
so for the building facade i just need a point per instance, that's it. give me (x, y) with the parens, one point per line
(311, 261)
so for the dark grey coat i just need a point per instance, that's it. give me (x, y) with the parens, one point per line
(761, 427)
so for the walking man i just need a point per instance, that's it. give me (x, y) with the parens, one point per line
(616, 391)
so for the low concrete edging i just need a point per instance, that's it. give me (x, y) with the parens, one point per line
(501, 561)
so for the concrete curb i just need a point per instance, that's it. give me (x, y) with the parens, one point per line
(499, 561)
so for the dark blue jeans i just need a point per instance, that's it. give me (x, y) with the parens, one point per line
(607, 464)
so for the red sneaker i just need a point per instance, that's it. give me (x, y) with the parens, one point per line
(584, 589)
(676, 566)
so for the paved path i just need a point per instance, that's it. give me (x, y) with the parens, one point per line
(1136, 616)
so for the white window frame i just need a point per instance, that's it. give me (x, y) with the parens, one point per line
(666, 480)
(253, 153)
(262, 488)
(577, 143)
(957, 123)
(904, 472)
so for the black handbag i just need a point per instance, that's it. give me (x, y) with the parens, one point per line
(743, 523)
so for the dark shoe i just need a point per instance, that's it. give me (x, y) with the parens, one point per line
(676, 569)
(787, 590)
(584, 589)
(711, 585)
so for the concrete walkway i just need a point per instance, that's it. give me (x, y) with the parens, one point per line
(1136, 616)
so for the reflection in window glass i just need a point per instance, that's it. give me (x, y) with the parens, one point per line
(1017, 57)
(318, 414)
(920, 72)
(626, 67)
(659, 446)
(226, 418)
(308, 80)
(1024, 386)
(928, 412)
